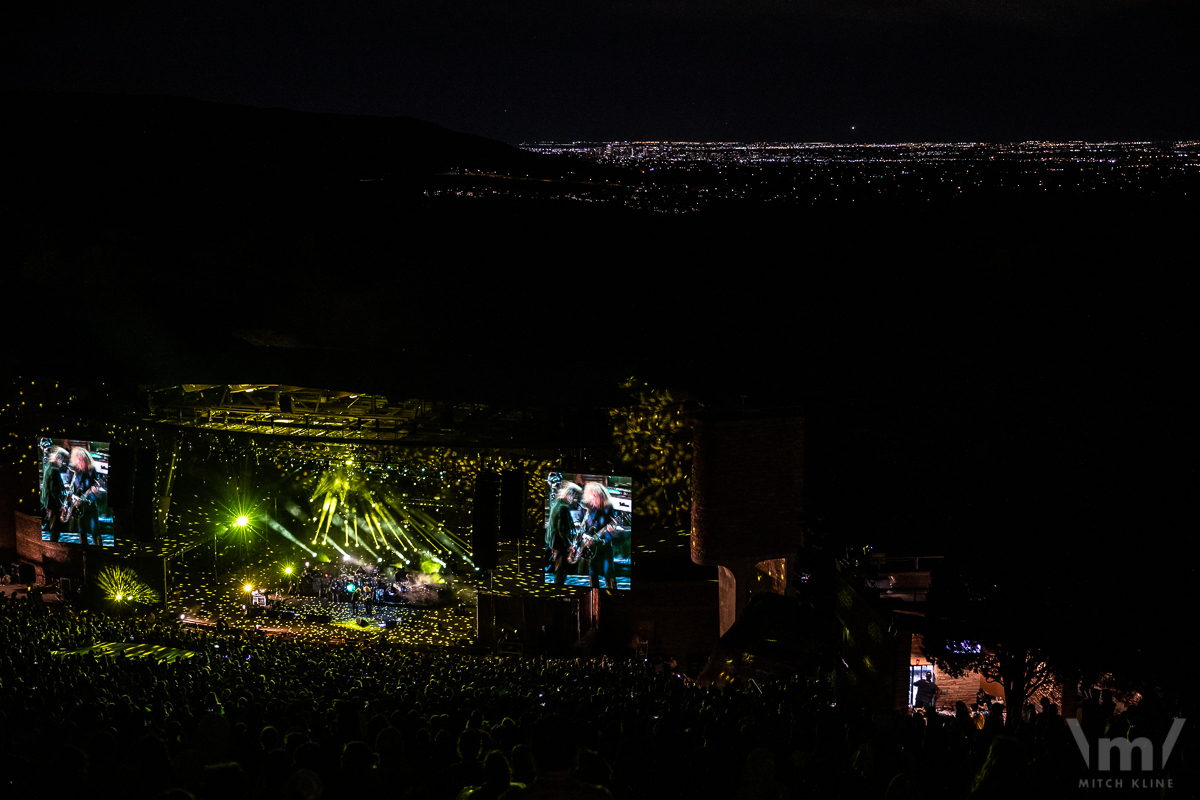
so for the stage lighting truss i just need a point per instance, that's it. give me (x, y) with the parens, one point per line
(299, 413)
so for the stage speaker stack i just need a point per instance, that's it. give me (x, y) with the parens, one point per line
(362, 623)
(512, 505)
(484, 529)
(389, 624)
(123, 461)
(143, 494)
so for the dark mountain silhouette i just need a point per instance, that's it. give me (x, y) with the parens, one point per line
(205, 238)
(149, 136)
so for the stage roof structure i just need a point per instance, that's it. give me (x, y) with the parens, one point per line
(304, 414)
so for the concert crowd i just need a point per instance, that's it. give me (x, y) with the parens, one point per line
(260, 717)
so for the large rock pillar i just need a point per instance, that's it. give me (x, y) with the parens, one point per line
(747, 499)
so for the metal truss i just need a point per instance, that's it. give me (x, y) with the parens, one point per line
(300, 413)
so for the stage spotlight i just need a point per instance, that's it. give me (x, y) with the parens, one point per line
(287, 570)
(183, 616)
(118, 598)
(242, 521)
(248, 587)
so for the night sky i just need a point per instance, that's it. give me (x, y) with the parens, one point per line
(931, 70)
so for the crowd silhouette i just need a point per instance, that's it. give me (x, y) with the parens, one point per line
(252, 716)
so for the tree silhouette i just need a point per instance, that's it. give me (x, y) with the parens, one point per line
(1002, 610)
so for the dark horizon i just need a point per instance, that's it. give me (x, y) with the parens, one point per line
(709, 71)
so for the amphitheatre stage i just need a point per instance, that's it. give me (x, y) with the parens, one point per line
(188, 501)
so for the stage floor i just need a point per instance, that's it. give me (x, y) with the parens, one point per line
(586, 580)
(445, 625)
(341, 612)
(106, 539)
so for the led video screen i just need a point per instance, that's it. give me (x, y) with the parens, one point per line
(589, 530)
(74, 494)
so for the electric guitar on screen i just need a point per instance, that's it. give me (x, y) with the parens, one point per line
(73, 502)
(581, 547)
(584, 542)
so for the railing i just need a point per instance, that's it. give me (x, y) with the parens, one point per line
(911, 595)
(909, 563)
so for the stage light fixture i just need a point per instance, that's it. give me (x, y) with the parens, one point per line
(242, 521)
(248, 587)
(287, 570)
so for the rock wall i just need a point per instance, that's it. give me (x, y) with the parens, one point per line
(950, 689)
(49, 559)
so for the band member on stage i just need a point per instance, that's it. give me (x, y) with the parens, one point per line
(560, 528)
(85, 490)
(598, 523)
(52, 491)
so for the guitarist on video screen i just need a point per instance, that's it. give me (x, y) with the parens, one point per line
(52, 490)
(85, 488)
(560, 529)
(596, 536)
